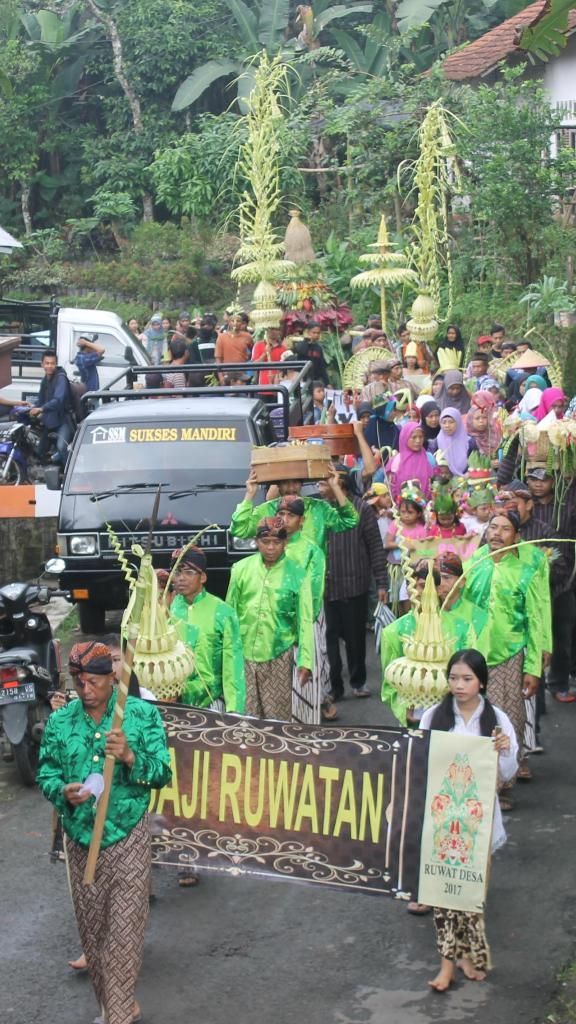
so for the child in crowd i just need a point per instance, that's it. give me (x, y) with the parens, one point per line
(380, 499)
(319, 407)
(479, 507)
(446, 518)
(412, 511)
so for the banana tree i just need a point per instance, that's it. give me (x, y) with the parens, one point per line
(547, 35)
(46, 60)
(263, 25)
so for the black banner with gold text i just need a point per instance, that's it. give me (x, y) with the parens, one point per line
(339, 807)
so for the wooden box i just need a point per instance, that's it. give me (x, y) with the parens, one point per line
(338, 437)
(291, 462)
(7, 345)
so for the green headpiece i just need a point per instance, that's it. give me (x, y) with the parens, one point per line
(444, 504)
(481, 496)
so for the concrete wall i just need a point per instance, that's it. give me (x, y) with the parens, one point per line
(25, 545)
(560, 79)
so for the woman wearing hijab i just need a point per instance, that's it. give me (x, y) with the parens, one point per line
(453, 393)
(450, 351)
(453, 441)
(483, 425)
(412, 462)
(552, 406)
(535, 380)
(430, 416)
(528, 405)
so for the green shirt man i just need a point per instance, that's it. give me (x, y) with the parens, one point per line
(320, 516)
(273, 598)
(210, 627)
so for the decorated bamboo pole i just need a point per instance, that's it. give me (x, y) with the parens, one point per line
(387, 268)
(127, 663)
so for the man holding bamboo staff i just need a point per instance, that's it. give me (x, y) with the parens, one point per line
(113, 910)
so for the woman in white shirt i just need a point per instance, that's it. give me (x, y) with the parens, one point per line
(461, 936)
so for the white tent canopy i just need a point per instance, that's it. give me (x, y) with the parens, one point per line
(7, 243)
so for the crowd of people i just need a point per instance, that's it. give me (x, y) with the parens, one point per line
(441, 484)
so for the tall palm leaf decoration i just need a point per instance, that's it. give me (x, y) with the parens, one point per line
(388, 268)
(260, 254)
(435, 176)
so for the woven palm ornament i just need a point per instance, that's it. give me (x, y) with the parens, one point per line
(420, 675)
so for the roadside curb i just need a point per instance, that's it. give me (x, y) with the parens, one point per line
(58, 611)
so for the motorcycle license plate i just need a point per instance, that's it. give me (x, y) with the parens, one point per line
(14, 693)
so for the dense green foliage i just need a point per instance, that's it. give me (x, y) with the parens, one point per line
(115, 113)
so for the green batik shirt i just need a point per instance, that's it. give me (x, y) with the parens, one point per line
(319, 518)
(465, 622)
(516, 595)
(73, 748)
(312, 559)
(210, 627)
(274, 607)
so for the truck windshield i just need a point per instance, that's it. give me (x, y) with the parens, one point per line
(200, 452)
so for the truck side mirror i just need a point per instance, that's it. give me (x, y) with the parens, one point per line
(129, 355)
(52, 477)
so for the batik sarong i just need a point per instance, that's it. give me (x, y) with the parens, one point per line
(461, 935)
(505, 691)
(306, 700)
(269, 687)
(111, 915)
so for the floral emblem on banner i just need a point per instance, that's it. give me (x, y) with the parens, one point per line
(457, 814)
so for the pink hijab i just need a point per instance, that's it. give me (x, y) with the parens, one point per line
(488, 441)
(549, 396)
(409, 465)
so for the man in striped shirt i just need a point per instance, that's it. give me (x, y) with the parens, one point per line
(354, 557)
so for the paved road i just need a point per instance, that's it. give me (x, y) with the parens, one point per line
(252, 952)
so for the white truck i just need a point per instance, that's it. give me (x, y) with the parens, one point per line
(43, 325)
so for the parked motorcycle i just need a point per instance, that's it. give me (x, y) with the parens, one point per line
(19, 441)
(29, 672)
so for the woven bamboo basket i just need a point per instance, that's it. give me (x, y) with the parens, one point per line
(291, 462)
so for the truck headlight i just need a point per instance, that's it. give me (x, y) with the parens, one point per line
(243, 544)
(86, 544)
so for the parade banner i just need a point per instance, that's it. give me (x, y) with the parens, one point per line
(338, 807)
(456, 836)
(432, 547)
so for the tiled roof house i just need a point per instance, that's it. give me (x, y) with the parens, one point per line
(482, 59)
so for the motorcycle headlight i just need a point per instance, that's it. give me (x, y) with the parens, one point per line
(243, 544)
(86, 544)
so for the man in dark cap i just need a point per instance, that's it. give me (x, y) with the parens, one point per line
(210, 627)
(272, 597)
(517, 496)
(112, 912)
